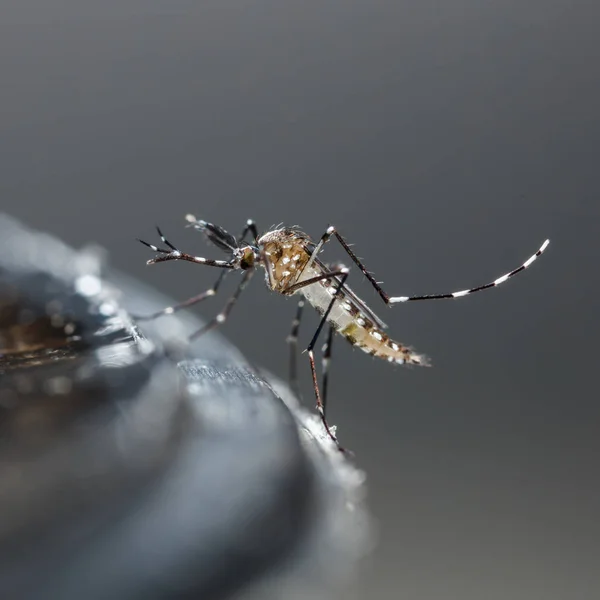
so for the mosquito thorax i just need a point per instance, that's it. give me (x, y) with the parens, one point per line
(285, 256)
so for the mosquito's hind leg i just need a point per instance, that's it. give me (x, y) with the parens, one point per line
(390, 301)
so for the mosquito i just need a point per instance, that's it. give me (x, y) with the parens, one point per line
(291, 264)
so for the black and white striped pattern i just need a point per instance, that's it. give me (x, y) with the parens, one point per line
(479, 288)
(175, 254)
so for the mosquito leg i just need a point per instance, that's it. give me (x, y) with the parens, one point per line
(293, 337)
(311, 358)
(222, 316)
(326, 362)
(187, 303)
(311, 353)
(250, 227)
(389, 300)
(328, 275)
(292, 340)
(478, 288)
(326, 358)
(175, 254)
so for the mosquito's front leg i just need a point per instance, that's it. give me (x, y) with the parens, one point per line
(175, 254)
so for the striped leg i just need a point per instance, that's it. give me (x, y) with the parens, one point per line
(326, 357)
(222, 316)
(219, 236)
(250, 227)
(311, 356)
(342, 273)
(292, 340)
(175, 254)
(326, 360)
(187, 303)
(389, 300)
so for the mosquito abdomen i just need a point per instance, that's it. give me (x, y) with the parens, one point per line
(365, 334)
(358, 328)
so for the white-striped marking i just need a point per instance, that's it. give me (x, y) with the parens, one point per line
(529, 261)
(498, 281)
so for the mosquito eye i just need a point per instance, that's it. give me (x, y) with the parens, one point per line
(247, 261)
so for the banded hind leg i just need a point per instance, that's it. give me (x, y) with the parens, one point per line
(390, 300)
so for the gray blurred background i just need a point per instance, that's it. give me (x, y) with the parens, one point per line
(445, 140)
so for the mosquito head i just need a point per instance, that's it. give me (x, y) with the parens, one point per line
(246, 257)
